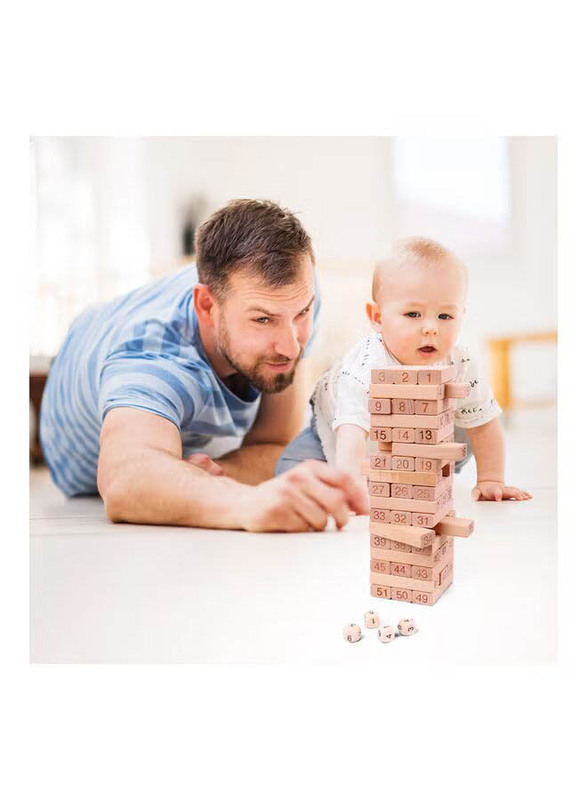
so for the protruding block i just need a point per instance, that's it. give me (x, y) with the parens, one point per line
(454, 390)
(455, 526)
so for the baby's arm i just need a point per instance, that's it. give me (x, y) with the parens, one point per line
(350, 451)
(488, 443)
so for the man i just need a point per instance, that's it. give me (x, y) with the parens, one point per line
(170, 366)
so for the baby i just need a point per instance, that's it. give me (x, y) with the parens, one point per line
(418, 305)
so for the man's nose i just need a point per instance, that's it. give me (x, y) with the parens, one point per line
(287, 344)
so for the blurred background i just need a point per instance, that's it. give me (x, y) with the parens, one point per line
(113, 213)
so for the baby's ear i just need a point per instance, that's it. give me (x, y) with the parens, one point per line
(374, 315)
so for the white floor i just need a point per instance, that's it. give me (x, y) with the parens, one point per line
(129, 593)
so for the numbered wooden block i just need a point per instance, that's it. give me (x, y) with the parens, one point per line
(407, 627)
(415, 537)
(381, 591)
(448, 469)
(397, 391)
(399, 547)
(428, 493)
(379, 406)
(452, 451)
(403, 463)
(377, 489)
(380, 542)
(421, 573)
(403, 435)
(436, 374)
(371, 619)
(403, 490)
(430, 435)
(430, 407)
(383, 567)
(386, 634)
(433, 507)
(397, 557)
(397, 568)
(428, 520)
(402, 407)
(457, 390)
(380, 434)
(380, 461)
(455, 526)
(400, 476)
(404, 595)
(391, 517)
(428, 465)
(352, 632)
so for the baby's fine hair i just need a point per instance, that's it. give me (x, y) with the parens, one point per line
(409, 250)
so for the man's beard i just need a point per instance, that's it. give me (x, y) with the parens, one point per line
(273, 385)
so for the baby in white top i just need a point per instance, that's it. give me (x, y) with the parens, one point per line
(419, 296)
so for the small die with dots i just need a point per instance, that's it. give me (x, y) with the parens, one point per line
(407, 627)
(371, 619)
(386, 633)
(352, 632)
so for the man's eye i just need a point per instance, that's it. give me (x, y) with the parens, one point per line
(413, 314)
(445, 316)
(262, 320)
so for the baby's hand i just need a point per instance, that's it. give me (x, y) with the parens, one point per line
(494, 490)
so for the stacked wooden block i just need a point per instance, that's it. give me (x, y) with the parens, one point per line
(412, 519)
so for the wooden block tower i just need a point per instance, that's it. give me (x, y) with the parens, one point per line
(412, 519)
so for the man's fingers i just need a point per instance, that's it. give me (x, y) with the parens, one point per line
(311, 512)
(333, 501)
(356, 496)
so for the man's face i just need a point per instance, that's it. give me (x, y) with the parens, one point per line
(262, 330)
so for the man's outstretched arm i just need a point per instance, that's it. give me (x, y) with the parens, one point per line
(142, 479)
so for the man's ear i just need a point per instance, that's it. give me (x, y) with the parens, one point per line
(374, 314)
(204, 302)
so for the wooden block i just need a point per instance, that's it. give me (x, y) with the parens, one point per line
(429, 407)
(397, 557)
(455, 526)
(401, 594)
(415, 420)
(379, 406)
(390, 516)
(404, 490)
(403, 583)
(380, 543)
(381, 591)
(429, 492)
(397, 375)
(452, 451)
(401, 476)
(428, 465)
(416, 537)
(429, 598)
(422, 506)
(454, 390)
(402, 407)
(383, 567)
(399, 547)
(380, 434)
(422, 573)
(380, 462)
(384, 447)
(436, 374)
(448, 469)
(397, 391)
(381, 420)
(431, 549)
(403, 435)
(402, 463)
(429, 435)
(377, 489)
(404, 570)
(424, 520)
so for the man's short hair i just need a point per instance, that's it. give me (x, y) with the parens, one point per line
(250, 234)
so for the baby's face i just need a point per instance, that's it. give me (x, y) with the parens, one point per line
(421, 312)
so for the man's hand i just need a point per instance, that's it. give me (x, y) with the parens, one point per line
(205, 462)
(495, 490)
(303, 498)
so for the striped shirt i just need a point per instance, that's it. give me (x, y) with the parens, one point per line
(141, 350)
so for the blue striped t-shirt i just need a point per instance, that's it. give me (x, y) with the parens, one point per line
(141, 350)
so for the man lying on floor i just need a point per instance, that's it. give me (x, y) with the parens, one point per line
(172, 365)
